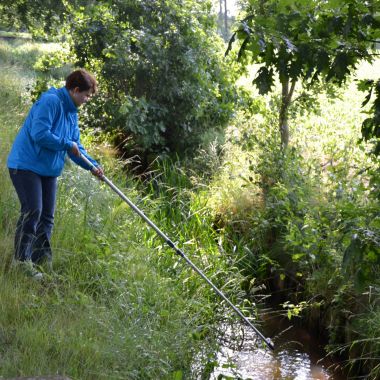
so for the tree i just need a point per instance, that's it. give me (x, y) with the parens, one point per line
(163, 80)
(164, 83)
(40, 17)
(225, 21)
(304, 41)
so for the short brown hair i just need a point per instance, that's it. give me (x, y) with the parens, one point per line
(83, 80)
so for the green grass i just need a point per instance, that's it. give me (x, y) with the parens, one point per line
(24, 53)
(18, 35)
(120, 304)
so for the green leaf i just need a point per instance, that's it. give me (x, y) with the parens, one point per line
(365, 85)
(372, 256)
(177, 375)
(243, 47)
(297, 256)
(264, 80)
(164, 313)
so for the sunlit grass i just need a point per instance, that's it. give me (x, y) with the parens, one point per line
(22, 52)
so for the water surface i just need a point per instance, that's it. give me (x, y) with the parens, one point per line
(298, 354)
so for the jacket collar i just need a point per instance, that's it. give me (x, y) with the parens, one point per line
(68, 103)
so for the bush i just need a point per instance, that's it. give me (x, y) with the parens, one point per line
(163, 80)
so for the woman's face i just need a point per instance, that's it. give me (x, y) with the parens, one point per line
(80, 97)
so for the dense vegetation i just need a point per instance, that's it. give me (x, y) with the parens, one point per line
(164, 82)
(294, 209)
(120, 303)
(309, 41)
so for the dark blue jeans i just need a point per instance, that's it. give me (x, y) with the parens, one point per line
(37, 197)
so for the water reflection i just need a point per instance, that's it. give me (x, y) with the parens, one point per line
(297, 356)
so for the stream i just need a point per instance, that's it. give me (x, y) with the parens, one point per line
(298, 355)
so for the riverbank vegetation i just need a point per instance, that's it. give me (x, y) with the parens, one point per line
(120, 304)
(285, 204)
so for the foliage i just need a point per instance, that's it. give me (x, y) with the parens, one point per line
(40, 17)
(361, 259)
(163, 81)
(312, 233)
(305, 41)
(368, 327)
(117, 290)
(305, 219)
(371, 125)
(361, 343)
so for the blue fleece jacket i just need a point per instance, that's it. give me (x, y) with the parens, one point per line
(47, 135)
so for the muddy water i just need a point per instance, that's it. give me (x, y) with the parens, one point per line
(298, 354)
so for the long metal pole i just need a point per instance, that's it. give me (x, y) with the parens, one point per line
(181, 253)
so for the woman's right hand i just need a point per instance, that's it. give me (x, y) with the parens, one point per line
(75, 150)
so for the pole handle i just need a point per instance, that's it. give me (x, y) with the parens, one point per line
(87, 161)
(91, 165)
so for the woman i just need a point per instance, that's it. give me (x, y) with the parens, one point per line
(37, 159)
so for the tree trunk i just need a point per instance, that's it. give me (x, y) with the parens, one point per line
(286, 98)
(225, 20)
(221, 18)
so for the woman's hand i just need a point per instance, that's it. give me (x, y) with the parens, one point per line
(97, 171)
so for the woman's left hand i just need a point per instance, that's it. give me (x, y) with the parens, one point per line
(97, 171)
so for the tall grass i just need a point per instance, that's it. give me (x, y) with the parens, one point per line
(120, 305)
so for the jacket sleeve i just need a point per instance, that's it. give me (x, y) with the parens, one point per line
(78, 160)
(45, 110)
